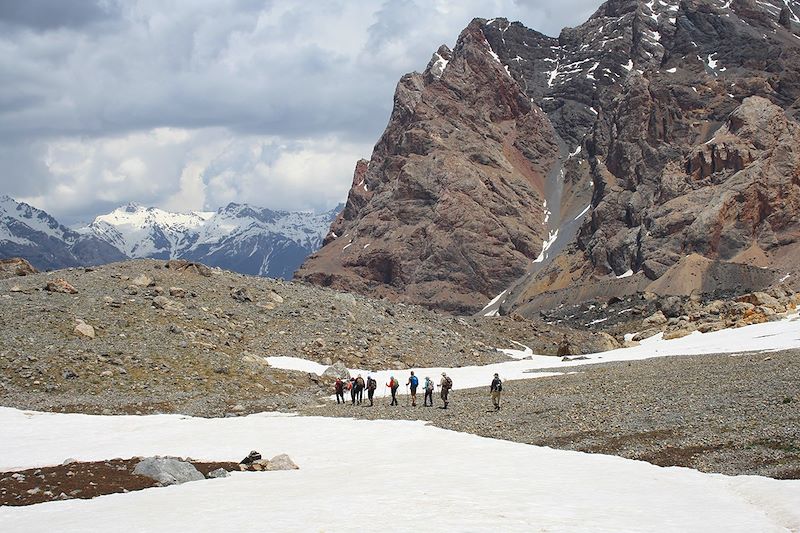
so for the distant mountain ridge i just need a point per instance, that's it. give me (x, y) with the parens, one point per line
(238, 237)
(28, 232)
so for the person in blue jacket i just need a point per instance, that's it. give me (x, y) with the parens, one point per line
(413, 382)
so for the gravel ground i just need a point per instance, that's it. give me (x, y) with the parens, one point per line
(716, 413)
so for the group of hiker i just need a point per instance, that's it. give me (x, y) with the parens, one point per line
(357, 385)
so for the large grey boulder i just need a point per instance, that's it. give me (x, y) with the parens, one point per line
(337, 370)
(281, 462)
(167, 470)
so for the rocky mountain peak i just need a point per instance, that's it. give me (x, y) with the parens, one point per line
(578, 158)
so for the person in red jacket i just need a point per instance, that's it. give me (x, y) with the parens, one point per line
(339, 387)
(393, 386)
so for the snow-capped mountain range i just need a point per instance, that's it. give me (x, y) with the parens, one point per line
(237, 237)
(33, 234)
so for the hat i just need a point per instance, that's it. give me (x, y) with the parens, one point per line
(495, 374)
(444, 374)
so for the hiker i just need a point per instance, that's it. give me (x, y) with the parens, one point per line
(359, 389)
(563, 347)
(352, 386)
(495, 389)
(393, 386)
(371, 386)
(413, 381)
(445, 385)
(428, 388)
(339, 387)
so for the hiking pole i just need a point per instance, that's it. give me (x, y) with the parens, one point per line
(406, 394)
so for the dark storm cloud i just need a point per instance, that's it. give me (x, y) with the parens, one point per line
(193, 104)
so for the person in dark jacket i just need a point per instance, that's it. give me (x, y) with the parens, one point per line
(339, 387)
(360, 386)
(495, 389)
(393, 386)
(352, 387)
(372, 384)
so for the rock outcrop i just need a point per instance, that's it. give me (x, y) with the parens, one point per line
(519, 164)
(15, 266)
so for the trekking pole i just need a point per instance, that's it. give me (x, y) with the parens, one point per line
(406, 394)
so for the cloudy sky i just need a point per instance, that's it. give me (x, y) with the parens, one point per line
(193, 104)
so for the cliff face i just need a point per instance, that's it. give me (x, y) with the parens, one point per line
(519, 164)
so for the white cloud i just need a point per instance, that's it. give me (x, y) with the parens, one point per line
(198, 103)
(182, 170)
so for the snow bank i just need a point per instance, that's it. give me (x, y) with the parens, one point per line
(769, 336)
(406, 472)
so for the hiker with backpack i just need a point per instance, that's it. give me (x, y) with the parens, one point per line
(359, 388)
(371, 386)
(413, 381)
(495, 389)
(339, 388)
(393, 386)
(428, 388)
(351, 385)
(445, 385)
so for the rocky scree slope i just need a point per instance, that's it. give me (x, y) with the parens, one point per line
(149, 336)
(519, 164)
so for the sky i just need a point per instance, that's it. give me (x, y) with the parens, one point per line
(189, 105)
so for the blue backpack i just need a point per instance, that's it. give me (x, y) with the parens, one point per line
(414, 381)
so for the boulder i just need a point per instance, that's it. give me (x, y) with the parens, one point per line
(760, 298)
(177, 292)
(183, 266)
(60, 285)
(277, 298)
(162, 302)
(142, 280)
(15, 266)
(252, 457)
(345, 298)
(83, 329)
(281, 462)
(167, 470)
(337, 370)
(656, 319)
(218, 473)
(671, 306)
(241, 294)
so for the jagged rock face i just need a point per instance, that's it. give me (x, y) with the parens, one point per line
(679, 121)
(450, 203)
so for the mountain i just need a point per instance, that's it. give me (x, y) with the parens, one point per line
(237, 237)
(33, 234)
(520, 171)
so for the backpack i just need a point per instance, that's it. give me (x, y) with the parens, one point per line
(499, 385)
(428, 385)
(414, 381)
(448, 382)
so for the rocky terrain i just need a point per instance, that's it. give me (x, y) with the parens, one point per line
(733, 414)
(519, 165)
(150, 336)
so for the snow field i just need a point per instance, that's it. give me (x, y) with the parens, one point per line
(401, 473)
(769, 336)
